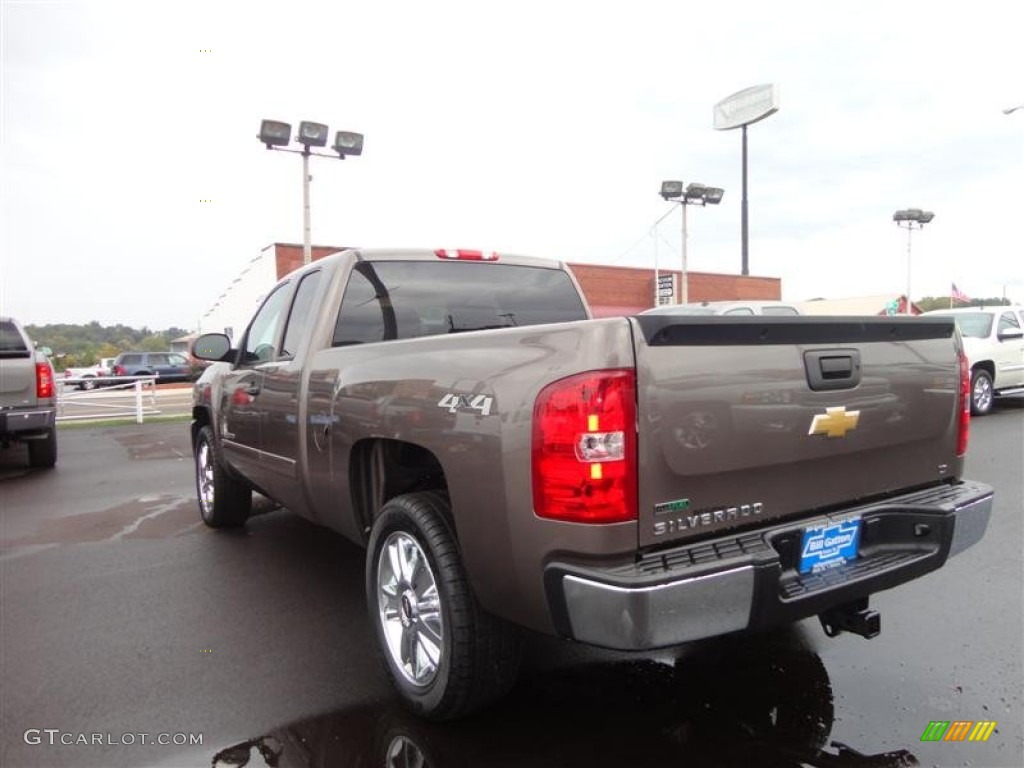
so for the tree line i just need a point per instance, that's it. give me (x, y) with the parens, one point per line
(79, 346)
(928, 303)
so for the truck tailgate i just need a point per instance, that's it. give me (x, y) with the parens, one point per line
(742, 421)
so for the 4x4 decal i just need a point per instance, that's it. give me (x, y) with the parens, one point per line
(453, 402)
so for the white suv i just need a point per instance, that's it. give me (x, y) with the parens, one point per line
(994, 342)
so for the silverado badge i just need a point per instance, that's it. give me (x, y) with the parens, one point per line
(835, 422)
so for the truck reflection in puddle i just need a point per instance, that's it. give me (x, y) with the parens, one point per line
(739, 702)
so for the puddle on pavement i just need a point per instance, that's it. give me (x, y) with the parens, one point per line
(141, 446)
(148, 517)
(152, 517)
(741, 703)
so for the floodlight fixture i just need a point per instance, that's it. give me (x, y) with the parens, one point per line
(695, 192)
(348, 143)
(274, 133)
(713, 195)
(913, 215)
(671, 190)
(312, 134)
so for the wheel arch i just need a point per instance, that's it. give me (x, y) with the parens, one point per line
(988, 366)
(200, 418)
(382, 468)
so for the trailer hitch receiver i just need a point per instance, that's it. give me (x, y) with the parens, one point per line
(852, 617)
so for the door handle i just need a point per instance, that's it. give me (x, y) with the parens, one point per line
(253, 390)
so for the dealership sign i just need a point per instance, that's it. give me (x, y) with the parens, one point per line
(746, 106)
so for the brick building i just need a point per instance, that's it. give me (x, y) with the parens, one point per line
(610, 290)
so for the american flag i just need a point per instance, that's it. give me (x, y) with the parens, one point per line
(959, 295)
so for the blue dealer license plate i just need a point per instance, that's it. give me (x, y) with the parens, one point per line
(828, 546)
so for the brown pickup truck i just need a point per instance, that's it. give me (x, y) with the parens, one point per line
(631, 483)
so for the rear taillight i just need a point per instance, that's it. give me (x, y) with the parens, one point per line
(119, 370)
(964, 407)
(584, 448)
(461, 254)
(44, 381)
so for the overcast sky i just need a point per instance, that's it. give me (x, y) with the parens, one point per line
(539, 128)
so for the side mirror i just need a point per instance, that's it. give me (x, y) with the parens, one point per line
(211, 346)
(1010, 333)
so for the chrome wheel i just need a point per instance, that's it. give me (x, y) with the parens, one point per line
(409, 608)
(204, 478)
(982, 393)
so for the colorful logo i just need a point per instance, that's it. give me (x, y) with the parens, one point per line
(958, 730)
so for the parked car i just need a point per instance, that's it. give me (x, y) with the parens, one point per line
(166, 366)
(994, 343)
(91, 376)
(727, 308)
(507, 461)
(28, 409)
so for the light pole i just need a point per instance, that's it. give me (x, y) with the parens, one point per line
(907, 218)
(275, 135)
(694, 194)
(738, 111)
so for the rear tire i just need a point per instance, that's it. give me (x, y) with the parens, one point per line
(42, 454)
(444, 654)
(88, 383)
(982, 393)
(224, 501)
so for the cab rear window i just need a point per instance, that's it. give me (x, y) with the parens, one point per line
(405, 299)
(12, 344)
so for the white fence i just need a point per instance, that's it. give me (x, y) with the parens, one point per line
(115, 397)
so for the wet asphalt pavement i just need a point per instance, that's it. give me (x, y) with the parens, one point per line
(121, 615)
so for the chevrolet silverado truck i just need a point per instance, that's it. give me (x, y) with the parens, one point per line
(28, 405)
(631, 482)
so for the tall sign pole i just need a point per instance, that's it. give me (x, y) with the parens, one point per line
(744, 232)
(738, 111)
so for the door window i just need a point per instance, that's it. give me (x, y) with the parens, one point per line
(1008, 322)
(360, 319)
(301, 316)
(261, 338)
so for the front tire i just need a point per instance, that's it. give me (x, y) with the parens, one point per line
(444, 654)
(982, 392)
(224, 501)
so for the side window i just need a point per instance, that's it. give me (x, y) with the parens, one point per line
(178, 360)
(158, 360)
(1008, 321)
(262, 333)
(132, 360)
(780, 311)
(740, 311)
(300, 318)
(360, 319)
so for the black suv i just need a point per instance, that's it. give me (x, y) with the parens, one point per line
(166, 366)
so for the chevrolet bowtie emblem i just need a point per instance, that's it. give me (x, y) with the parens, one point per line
(834, 422)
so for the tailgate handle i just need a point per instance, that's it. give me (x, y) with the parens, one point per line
(829, 369)
(836, 367)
